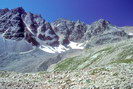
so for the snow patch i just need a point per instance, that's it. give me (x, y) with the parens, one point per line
(39, 30)
(50, 49)
(27, 51)
(28, 28)
(75, 45)
(47, 33)
(47, 49)
(130, 33)
(61, 48)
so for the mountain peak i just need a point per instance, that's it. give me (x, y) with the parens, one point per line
(100, 24)
(103, 21)
(19, 9)
(60, 20)
(78, 22)
(3, 11)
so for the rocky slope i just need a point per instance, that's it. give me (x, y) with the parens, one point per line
(117, 76)
(108, 66)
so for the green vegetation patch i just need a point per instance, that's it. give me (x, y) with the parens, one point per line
(123, 61)
(99, 54)
(115, 74)
(108, 50)
(128, 51)
(4, 74)
(83, 62)
(98, 70)
(69, 64)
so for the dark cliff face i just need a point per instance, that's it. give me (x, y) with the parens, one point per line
(17, 24)
(11, 24)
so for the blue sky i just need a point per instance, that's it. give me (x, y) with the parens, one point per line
(118, 12)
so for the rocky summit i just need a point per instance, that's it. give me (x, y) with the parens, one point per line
(64, 54)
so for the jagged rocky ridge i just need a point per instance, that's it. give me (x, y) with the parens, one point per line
(16, 24)
(27, 40)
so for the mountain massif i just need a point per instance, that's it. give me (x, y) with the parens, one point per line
(30, 44)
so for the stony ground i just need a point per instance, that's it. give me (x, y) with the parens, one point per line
(115, 76)
(105, 67)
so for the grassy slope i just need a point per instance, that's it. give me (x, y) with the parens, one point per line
(121, 52)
